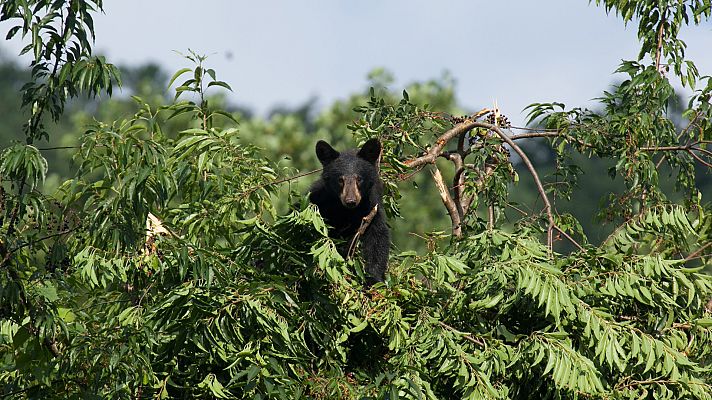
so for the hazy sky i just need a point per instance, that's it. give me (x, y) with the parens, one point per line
(280, 52)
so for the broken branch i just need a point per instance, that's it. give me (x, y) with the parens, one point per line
(448, 202)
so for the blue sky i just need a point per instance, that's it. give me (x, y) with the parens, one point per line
(280, 52)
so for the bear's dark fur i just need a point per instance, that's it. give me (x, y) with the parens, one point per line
(348, 190)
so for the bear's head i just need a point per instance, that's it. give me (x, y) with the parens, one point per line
(351, 174)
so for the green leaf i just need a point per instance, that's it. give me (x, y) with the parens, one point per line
(177, 75)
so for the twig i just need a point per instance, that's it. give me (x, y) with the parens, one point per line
(490, 217)
(458, 182)
(13, 251)
(537, 181)
(697, 252)
(440, 143)
(536, 134)
(660, 161)
(699, 159)
(707, 152)
(448, 202)
(365, 223)
(690, 148)
(464, 334)
(570, 239)
(278, 181)
(59, 148)
(524, 213)
(523, 128)
(405, 177)
(15, 211)
(658, 51)
(549, 134)
(618, 229)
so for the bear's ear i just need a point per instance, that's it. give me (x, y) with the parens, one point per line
(370, 151)
(325, 153)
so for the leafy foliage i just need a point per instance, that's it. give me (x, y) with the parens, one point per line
(60, 38)
(167, 266)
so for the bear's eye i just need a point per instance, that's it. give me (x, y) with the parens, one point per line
(358, 180)
(341, 180)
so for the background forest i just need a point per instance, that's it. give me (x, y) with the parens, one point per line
(157, 242)
(287, 137)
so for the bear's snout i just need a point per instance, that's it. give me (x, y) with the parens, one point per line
(350, 193)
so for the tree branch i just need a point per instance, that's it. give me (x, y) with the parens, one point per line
(9, 253)
(699, 159)
(448, 202)
(437, 149)
(276, 182)
(464, 127)
(464, 334)
(365, 223)
(458, 182)
(697, 252)
(659, 49)
(537, 181)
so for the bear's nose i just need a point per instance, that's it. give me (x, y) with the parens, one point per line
(350, 203)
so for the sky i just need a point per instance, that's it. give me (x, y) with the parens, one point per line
(283, 52)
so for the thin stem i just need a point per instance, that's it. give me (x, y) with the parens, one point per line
(490, 217)
(365, 223)
(16, 249)
(535, 176)
(278, 181)
(659, 50)
(58, 148)
(699, 159)
(697, 252)
(464, 334)
(15, 211)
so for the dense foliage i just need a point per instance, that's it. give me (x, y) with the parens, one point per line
(177, 262)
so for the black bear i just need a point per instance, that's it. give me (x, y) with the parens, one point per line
(348, 191)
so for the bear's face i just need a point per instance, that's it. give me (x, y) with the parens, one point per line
(350, 174)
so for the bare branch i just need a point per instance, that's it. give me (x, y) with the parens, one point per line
(458, 181)
(535, 176)
(567, 236)
(276, 182)
(448, 202)
(437, 149)
(697, 252)
(545, 134)
(459, 129)
(365, 223)
(659, 50)
(490, 217)
(699, 159)
(464, 127)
